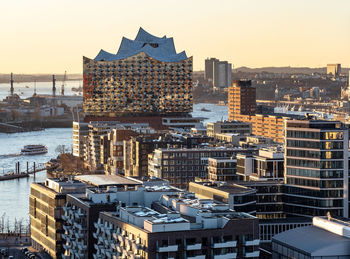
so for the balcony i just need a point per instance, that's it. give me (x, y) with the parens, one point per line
(194, 247)
(172, 248)
(226, 256)
(252, 254)
(225, 244)
(255, 242)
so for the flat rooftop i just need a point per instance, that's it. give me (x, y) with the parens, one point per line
(106, 180)
(229, 188)
(315, 241)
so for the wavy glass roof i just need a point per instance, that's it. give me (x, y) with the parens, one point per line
(161, 49)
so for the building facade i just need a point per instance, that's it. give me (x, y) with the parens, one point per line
(145, 78)
(242, 107)
(46, 202)
(80, 129)
(218, 73)
(316, 168)
(334, 69)
(182, 165)
(220, 127)
(178, 226)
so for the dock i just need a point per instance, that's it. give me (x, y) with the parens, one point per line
(18, 174)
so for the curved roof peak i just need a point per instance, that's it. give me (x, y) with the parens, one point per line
(145, 36)
(161, 49)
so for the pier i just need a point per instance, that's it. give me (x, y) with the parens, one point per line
(23, 174)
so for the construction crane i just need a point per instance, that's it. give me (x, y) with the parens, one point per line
(63, 82)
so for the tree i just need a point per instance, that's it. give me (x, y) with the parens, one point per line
(2, 223)
(8, 226)
(62, 149)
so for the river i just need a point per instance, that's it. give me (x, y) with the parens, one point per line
(14, 194)
(26, 89)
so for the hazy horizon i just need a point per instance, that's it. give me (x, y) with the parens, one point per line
(44, 37)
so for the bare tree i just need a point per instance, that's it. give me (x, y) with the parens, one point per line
(8, 226)
(62, 149)
(15, 226)
(20, 227)
(2, 223)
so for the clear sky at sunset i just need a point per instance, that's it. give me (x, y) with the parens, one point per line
(50, 36)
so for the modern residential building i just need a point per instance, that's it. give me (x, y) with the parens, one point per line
(230, 138)
(219, 127)
(316, 168)
(252, 199)
(137, 149)
(182, 165)
(218, 73)
(222, 169)
(115, 147)
(82, 210)
(268, 164)
(92, 151)
(269, 199)
(242, 99)
(145, 81)
(46, 202)
(179, 226)
(80, 129)
(334, 69)
(325, 238)
(238, 197)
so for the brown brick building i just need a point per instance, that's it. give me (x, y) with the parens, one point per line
(242, 107)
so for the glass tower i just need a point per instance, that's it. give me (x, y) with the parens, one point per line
(316, 168)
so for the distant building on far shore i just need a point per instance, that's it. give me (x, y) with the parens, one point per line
(218, 73)
(334, 69)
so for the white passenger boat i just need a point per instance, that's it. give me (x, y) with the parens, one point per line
(34, 150)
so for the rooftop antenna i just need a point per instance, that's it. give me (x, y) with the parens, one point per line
(11, 82)
(53, 86)
(63, 82)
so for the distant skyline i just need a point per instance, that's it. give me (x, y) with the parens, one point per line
(52, 36)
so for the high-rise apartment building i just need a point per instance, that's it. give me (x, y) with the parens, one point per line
(218, 73)
(334, 69)
(144, 81)
(316, 168)
(242, 107)
(80, 129)
(209, 68)
(46, 202)
(242, 98)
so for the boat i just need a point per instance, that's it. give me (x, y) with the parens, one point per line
(205, 110)
(34, 150)
(221, 103)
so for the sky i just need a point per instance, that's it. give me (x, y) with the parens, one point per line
(41, 36)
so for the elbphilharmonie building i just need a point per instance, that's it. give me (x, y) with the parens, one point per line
(146, 77)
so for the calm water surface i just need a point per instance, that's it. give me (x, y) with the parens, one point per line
(14, 194)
